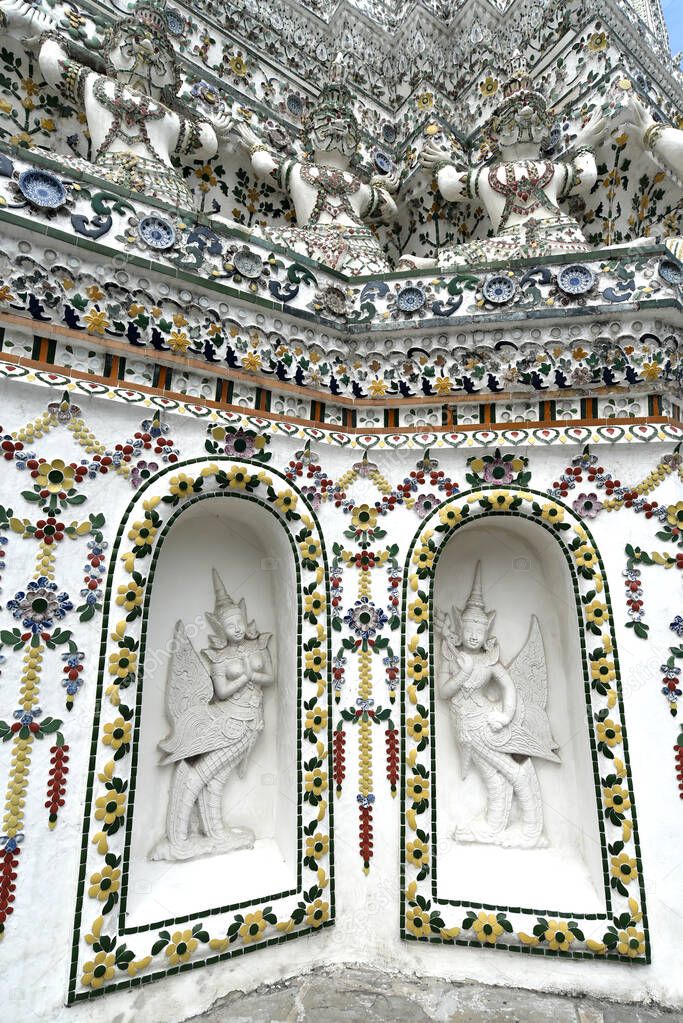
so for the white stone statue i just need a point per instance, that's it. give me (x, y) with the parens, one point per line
(331, 201)
(215, 706)
(135, 121)
(499, 720)
(520, 188)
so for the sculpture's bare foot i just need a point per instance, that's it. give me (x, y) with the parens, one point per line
(520, 841)
(204, 845)
(476, 833)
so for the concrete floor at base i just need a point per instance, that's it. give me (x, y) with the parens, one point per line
(356, 995)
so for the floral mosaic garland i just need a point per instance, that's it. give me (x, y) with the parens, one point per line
(622, 932)
(102, 960)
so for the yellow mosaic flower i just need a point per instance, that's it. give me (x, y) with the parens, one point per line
(364, 517)
(450, 516)
(631, 942)
(425, 101)
(314, 603)
(418, 611)
(96, 321)
(130, 596)
(55, 476)
(674, 514)
(316, 719)
(122, 662)
(417, 788)
(609, 732)
(418, 852)
(238, 65)
(552, 513)
(181, 485)
(489, 87)
(286, 500)
(98, 970)
(417, 668)
(317, 913)
(315, 781)
(424, 557)
(110, 806)
(417, 922)
(603, 670)
(238, 478)
(501, 499)
(253, 927)
(617, 798)
(487, 928)
(625, 868)
(597, 42)
(310, 549)
(142, 533)
(418, 728)
(104, 882)
(251, 362)
(597, 612)
(316, 659)
(558, 935)
(181, 947)
(585, 556)
(116, 733)
(317, 846)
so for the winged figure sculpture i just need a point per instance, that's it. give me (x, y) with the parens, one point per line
(214, 703)
(499, 720)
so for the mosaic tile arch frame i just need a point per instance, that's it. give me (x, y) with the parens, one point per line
(621, 932)
(106, 957)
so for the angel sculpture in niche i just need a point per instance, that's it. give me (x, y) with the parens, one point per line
(215, 706)
(499, 720)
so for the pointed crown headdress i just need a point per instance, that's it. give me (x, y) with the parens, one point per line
(224, 606)
(151, 15)
(474, 609)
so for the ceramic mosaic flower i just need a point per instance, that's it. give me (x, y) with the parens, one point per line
(364, 619)
(631, 942)
(317, 913)
(253, 927)
(40, 605)
(56, 476)
(142, 471)
(417, 922)
(181, 947)
(98, 970)
(426, 503)
(558, 934)
(587, 505)
(677, 625)
(609, 732)
(487, 928)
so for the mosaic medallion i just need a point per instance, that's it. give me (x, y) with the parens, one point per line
(383, 162)
(334, 301)
(157, 233)
(42, 189)
(248, 264)
(410, 299)
(576, 280)
(499, 289)
(175, 23)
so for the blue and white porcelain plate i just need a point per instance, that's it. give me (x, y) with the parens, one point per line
(671, 271)
(157, 233)
(42, 189)
(499, 289)
(248, 264)
(410, 299)
(576, 280)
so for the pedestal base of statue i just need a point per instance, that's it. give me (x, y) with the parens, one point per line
(204, 845)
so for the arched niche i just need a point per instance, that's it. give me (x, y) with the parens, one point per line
(524, 575)
(582, 893)
(140, 920)
(253, 555)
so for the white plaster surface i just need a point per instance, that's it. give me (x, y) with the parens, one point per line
(35, 953)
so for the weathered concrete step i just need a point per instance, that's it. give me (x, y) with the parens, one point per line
(357, 995)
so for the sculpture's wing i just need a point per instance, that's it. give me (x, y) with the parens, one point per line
(188, 681)
(529, 673)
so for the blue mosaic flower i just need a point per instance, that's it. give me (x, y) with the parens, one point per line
(364, 619)
(40, 606)
(10, 844)
(677, 625)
